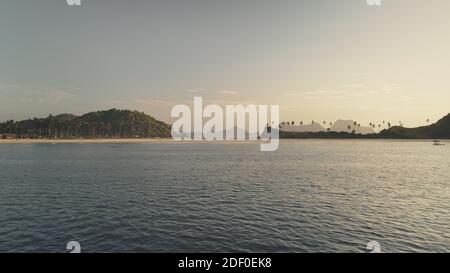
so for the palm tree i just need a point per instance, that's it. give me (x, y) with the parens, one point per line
(10, 124)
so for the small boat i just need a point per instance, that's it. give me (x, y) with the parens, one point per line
(437, 143)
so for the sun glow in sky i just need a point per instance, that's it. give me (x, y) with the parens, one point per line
(318, 59)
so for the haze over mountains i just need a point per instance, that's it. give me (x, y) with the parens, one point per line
(338, 126)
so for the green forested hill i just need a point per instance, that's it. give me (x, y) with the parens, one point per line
(100, 124)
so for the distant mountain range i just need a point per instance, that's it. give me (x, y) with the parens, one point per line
(313, 127)
(349, 126)
(339, 126)
(100, 124)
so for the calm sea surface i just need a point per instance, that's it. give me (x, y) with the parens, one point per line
(309, 196)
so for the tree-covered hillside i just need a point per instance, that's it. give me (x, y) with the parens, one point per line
(440, 129)
(101, 124)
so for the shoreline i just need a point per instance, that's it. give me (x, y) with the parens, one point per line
(86, 141)
(170, 140)
(121, 141)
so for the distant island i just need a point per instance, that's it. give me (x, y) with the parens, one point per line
(438, 130)
(128, 124)
(101, 124)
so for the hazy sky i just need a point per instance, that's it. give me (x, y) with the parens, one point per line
(318, 59)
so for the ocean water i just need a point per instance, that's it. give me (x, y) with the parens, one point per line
(309, 196)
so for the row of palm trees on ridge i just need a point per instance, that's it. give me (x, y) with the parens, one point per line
(384, 125)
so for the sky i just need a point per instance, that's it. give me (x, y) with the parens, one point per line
(317, 59)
